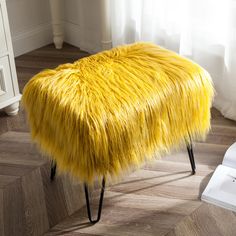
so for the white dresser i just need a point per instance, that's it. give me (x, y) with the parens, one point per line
(9, 90)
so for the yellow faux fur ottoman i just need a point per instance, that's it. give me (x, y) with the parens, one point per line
(112, 111)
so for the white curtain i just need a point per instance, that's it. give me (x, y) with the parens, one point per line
(202, 30)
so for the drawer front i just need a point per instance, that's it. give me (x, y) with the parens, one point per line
(3, 44)
(6, 88)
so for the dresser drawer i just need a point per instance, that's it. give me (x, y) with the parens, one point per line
(3, 44)
(6, 88)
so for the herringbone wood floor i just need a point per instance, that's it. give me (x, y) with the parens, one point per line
(162, 198)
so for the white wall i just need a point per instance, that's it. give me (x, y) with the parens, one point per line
(30, 24)
(82, 24)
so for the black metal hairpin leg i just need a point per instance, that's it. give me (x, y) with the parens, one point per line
(191, 157)
(100, 202)
(52, 176)
(53, 170)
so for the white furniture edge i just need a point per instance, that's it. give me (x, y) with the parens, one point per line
(10, 101)
(11, 106)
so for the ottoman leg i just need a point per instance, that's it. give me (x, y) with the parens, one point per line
(191, 157)
(52, 176)
(53, 170)
(100, 202)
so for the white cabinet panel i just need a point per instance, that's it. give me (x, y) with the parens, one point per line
(2, 82)
(9, 91)
(6, 89)
(3, 45)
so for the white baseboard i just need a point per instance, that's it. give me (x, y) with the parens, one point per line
(32, 39)
(73, 36)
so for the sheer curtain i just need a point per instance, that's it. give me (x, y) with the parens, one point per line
(202, 30)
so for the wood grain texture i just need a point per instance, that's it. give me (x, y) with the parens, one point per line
(74, 194)
(161, 198)
(1, 213)
(28, 198)
(3, 124)
(54, 196)
(34, 204)
(13, 212)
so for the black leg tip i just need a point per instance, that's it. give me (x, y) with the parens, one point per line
(93, 222)
(100, 202)
(52, 176)
(53, 170)
(193, 172)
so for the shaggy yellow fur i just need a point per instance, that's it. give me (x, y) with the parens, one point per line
(111, 111)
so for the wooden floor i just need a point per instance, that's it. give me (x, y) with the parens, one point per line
(162, 198)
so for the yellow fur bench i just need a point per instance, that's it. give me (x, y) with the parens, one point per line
(106, 113)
